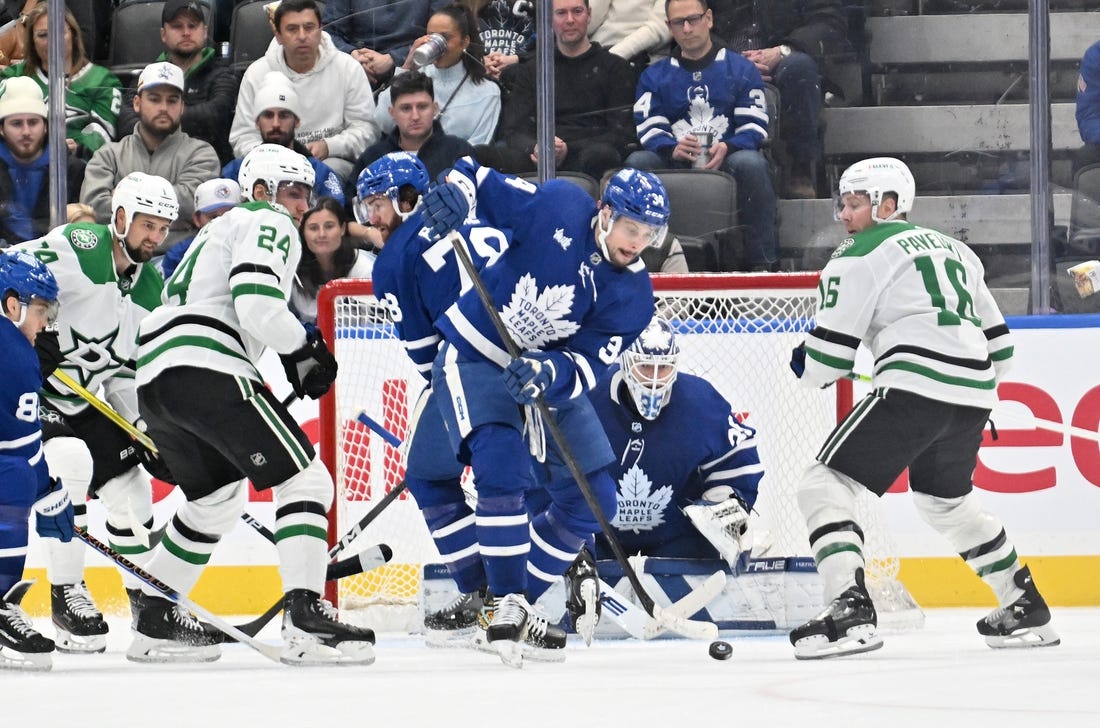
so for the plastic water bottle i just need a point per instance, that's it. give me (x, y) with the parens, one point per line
(428, 53)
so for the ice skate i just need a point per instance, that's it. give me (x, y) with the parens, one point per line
(79, 623)
(845, 627)
(455, 624)
(314, 635)
(163, 631)
(21, 646)
(1024, 623)
(516, 632)
(583, 598)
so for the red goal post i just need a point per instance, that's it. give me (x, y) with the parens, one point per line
(736, 330)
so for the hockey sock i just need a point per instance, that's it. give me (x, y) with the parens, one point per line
(14, 535)
(128, 497)
(454, 531)
(183, 555)
(300, 537)
(827, 499)
(504, 535)
(553, 549)
(69, 460)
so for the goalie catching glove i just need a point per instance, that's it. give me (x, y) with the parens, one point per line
(53, 513)
(311, 370)
(721, 516)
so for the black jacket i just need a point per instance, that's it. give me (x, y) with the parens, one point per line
(816, 27)
(439, 153)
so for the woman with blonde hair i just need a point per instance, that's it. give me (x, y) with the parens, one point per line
(93, 94)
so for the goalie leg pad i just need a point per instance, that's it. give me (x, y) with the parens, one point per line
(301, 528)
(827, 499)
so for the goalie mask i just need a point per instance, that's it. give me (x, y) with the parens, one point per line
(27, 278)
(875, 178)
(397, 175)
(649, 368)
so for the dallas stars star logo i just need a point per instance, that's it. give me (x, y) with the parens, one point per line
(91, 355)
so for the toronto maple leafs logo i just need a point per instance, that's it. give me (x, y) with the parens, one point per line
(654, 338)
(536, 319)
(641, 506)
(700, 115)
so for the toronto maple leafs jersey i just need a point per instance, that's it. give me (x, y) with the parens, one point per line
(553, 288)
(227, 300)
(419, 279)
(917, 298)
(99, 313)
(662, 465)
(722, 93)
(20, 380)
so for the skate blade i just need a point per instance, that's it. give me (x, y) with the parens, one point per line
(26, 661)
(154, 651)
(510, 653)
(858, 640)
(457, 639)
(71, 644)
(530, 652)
(309, 652)
(1042, 636)
(586, 623)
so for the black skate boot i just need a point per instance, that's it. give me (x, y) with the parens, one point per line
(80, 625)
(582, 599)
(845, 627)
(166, 632)
(454, 624)
(1024, 623)
(21, 646)
(517, 632)
(314, 635)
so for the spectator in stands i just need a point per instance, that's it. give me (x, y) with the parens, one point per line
(631, 29)
(416, 128)
(280, 112)
(211, 91)
(1088, 108)
(593, 95)
(706, 92)
(789, 41)
(79, 212)
(507, 32)
(378, 33)
(337, 124)
(469, 101)
(213, 198)
(93, 94)
(668, 257)
(13, 40)
(25, 163)
(157, 147)
(327, 254)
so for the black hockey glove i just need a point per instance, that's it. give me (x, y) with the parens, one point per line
(48, 348)
(798, 360)
(310, 370)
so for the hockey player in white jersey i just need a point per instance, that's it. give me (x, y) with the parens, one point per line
(917, 299)
(216, 423)
(107, 287)
(28, 296)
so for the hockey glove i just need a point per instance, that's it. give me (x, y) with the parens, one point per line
(53, 513)
(528, 376)
(722, 518)
(445, 207)
(798, 360)
(311, 370)
(48, 348)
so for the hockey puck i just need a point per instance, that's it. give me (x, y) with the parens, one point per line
(720, 650)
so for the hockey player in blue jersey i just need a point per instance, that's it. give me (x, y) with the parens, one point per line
(28, 291)
(573, 293)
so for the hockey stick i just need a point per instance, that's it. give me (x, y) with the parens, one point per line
(106, 410)
(686, 627)
(271, 652)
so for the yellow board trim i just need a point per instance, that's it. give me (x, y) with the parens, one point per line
(933, 582)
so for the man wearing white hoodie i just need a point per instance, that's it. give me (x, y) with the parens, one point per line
(337, 121)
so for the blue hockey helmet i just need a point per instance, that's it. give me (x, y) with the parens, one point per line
(650, 367)
(640, 196)
(388, 175)
(28, 278)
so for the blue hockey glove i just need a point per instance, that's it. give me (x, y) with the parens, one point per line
(53, 513)
(798, 360)
(311, 370)
(445, 207)
(528, 376)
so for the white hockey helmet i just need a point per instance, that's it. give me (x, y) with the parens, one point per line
(650, 367)
(147, 193)
(876, 177)
(274, 165)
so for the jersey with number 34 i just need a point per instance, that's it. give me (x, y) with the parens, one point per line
(918, 299)
(227, 300)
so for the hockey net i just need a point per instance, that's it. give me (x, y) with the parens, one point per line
(735, 330)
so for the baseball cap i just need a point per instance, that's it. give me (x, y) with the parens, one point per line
(172, 8)
(277, 92)
(161, 73)
(21, 95)
(214, 194)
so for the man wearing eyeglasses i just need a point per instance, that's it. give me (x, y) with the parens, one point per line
(705, 107)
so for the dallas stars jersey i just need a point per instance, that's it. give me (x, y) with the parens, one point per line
(554, 289)
(99, 310)
(20, 430)
(918, 300)
(93, 98)
(665, 464)
(418, 279)
(227, 300)
(722, 93)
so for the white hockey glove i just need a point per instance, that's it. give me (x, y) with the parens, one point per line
(721, 516)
